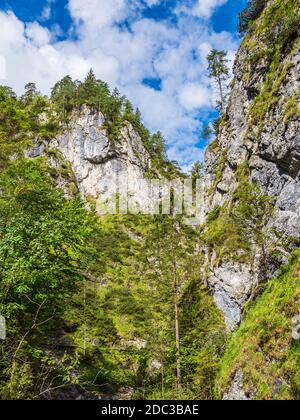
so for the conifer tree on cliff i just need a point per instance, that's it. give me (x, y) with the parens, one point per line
(219, 72)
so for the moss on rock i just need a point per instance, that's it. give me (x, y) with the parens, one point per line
(263, 347)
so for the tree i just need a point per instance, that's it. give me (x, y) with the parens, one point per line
(169, 248)
(219, 71)
(17, 125)
(252, 12)
(159, 145)
(41, 258)
(88, 88)
(128, 110)
(7, 93)
(207, 132)
(30, 93)
(197, 171)
(64, 95)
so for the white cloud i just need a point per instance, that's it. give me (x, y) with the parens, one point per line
(37, 34)
(152, 3)
(205, 8)
(97, 14)
(2, 68)
(173, 53)
(47, 10)
(195, 96)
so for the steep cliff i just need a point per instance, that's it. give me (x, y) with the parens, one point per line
(259, 142)
(123, 306)
(252, 205)
(96, 162)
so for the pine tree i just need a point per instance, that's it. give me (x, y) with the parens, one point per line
(64, 95)
(197, 171)
(253, 10)
(159, 145)
(168, 247)
(219, 71)
(207, 132)
(30, 93)
(88, 88)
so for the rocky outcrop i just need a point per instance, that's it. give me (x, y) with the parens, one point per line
(261, 127)
(98, 163)
(233, 285)
(96, 160)
(236, 392)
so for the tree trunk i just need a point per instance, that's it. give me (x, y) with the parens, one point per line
(221, 95)
(177, 330)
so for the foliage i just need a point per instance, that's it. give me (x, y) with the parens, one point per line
(20, 121)
(219, 71)
(238, 228)
(220, 170)
(253, 10)
(169, 254)
(197, 171)
(207, 132)
(276, 31)
(263, 347)
(41, 258)
(68, 96)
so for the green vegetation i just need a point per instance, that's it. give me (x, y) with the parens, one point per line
(220, 170)
(90, 302)
(238, 228)
(68, 96)
(219, 71)
(21, 122)
(41, 257)
(274, 33)
(292, 107)
(197, 171)
(97, 306)
(253, 10)
(263, 347)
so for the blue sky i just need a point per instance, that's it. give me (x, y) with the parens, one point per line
(154, 51)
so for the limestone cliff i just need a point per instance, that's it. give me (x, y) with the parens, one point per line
(95, 161)
(260, 132)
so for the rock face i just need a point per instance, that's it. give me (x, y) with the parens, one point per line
(232, 284)
(268, 139)
(98, 163)
(236, 392)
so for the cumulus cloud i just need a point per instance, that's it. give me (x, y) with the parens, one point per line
(125, 56)
(97, 14)
(37, 34)
(195, 96)
(47, 10)
(205, 8)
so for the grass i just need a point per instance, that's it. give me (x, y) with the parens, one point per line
(219, 173)
(263, 347)
(292, 107)
(274, 35)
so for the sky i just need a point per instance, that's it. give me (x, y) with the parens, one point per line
(154, 51)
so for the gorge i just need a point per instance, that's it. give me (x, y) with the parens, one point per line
(148, 307)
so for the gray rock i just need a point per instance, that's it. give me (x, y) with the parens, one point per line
(233, 284)
(98, 163)
(236, 392)
(274, 161)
